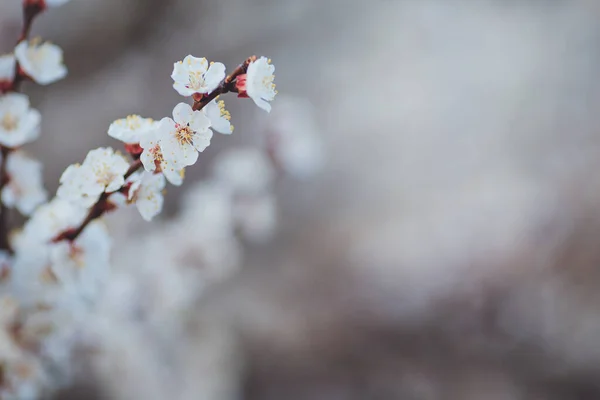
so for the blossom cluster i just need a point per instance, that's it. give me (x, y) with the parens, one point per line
(56, 271)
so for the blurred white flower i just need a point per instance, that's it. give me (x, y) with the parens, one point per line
(194, 75)
(131, 129)
(19, 124)
(182, 137)
(153, 160)
(46, 222)
(83, 266)
(7, 71)
(258, 83)
(24, 189)
(256, 216)
(219, 117)
(102, 171)
(42, 62)
(293, 137)
(146, 192)
(244, 170)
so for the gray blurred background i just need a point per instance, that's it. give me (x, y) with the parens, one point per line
(450, 247)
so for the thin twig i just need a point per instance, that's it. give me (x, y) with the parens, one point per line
(225, 86)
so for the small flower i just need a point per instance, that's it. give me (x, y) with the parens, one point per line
(19, 124)
(258, 84)
(7, 72)
(102, 171)
(219, 117)
(245, 170)
(24, 189)
(131, 129)
(42, 62)
(182, 137)
(146, 192)
(194, 75)
(153, 160)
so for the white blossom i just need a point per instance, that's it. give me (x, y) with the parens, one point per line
(182, 137)
(19, 124)
(146, 192)
(48, 221)
(259, 83)
(42, 62)
(256, 216)
(294, 138)
(244, 170)
(219, 117)
(24, 189)
(7, 71)
(153, 160)
(130, 130)
(195, 75)
(102, 171)
(82, 267)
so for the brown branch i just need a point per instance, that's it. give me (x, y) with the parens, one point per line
(4, 220)
(225, 86)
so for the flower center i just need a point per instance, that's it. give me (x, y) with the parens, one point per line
(196, 80)
(159, 159)
(267, 82)
(9, 122)
(184, 134)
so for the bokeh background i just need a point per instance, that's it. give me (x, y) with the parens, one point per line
(450, 246)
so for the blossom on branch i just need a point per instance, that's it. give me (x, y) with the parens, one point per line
(154, 161)
(182, 137)
(19, 124)
(102, 171)
(258, 84)
(24, 190)
(42, 62)
(195, 75)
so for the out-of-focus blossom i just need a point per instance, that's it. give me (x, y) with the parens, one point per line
(293, 138)
(7, 71)
(102, 171)
(256, 216)
(82, 266)
(42, 62)
(19, 124)
(24, 190)
(195, 75)
(245, 170)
